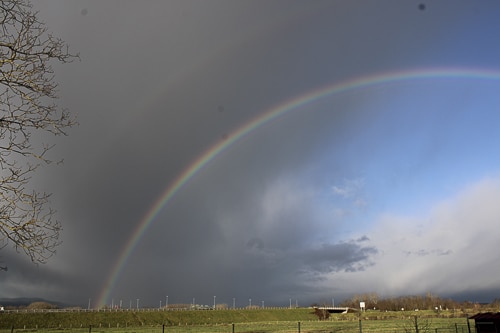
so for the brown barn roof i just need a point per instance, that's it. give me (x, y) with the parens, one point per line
(486, 315)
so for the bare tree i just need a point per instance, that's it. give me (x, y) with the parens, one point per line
(413, 325)
(28, 92)
(322, 313)
(41, 305)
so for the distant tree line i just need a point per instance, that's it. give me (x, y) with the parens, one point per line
(412, 302)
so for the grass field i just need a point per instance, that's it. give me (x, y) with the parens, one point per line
(263, 321)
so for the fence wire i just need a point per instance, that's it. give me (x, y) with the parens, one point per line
(262, 327)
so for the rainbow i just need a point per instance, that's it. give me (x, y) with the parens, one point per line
(264, 118)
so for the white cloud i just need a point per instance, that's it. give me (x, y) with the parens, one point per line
(451, 249)
(349, 189)
(352, 193)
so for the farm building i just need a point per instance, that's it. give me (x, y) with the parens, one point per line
(488, 322)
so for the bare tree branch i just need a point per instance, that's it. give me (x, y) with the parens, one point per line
(27, 105)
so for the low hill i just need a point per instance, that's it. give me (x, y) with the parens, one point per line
(52, 319)
(22, 302)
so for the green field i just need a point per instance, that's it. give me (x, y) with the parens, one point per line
(263, 320)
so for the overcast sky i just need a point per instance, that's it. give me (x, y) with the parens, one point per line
(371, 177)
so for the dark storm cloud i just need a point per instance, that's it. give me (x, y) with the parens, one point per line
(349, 257)
(23, 278)
(224, 235)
